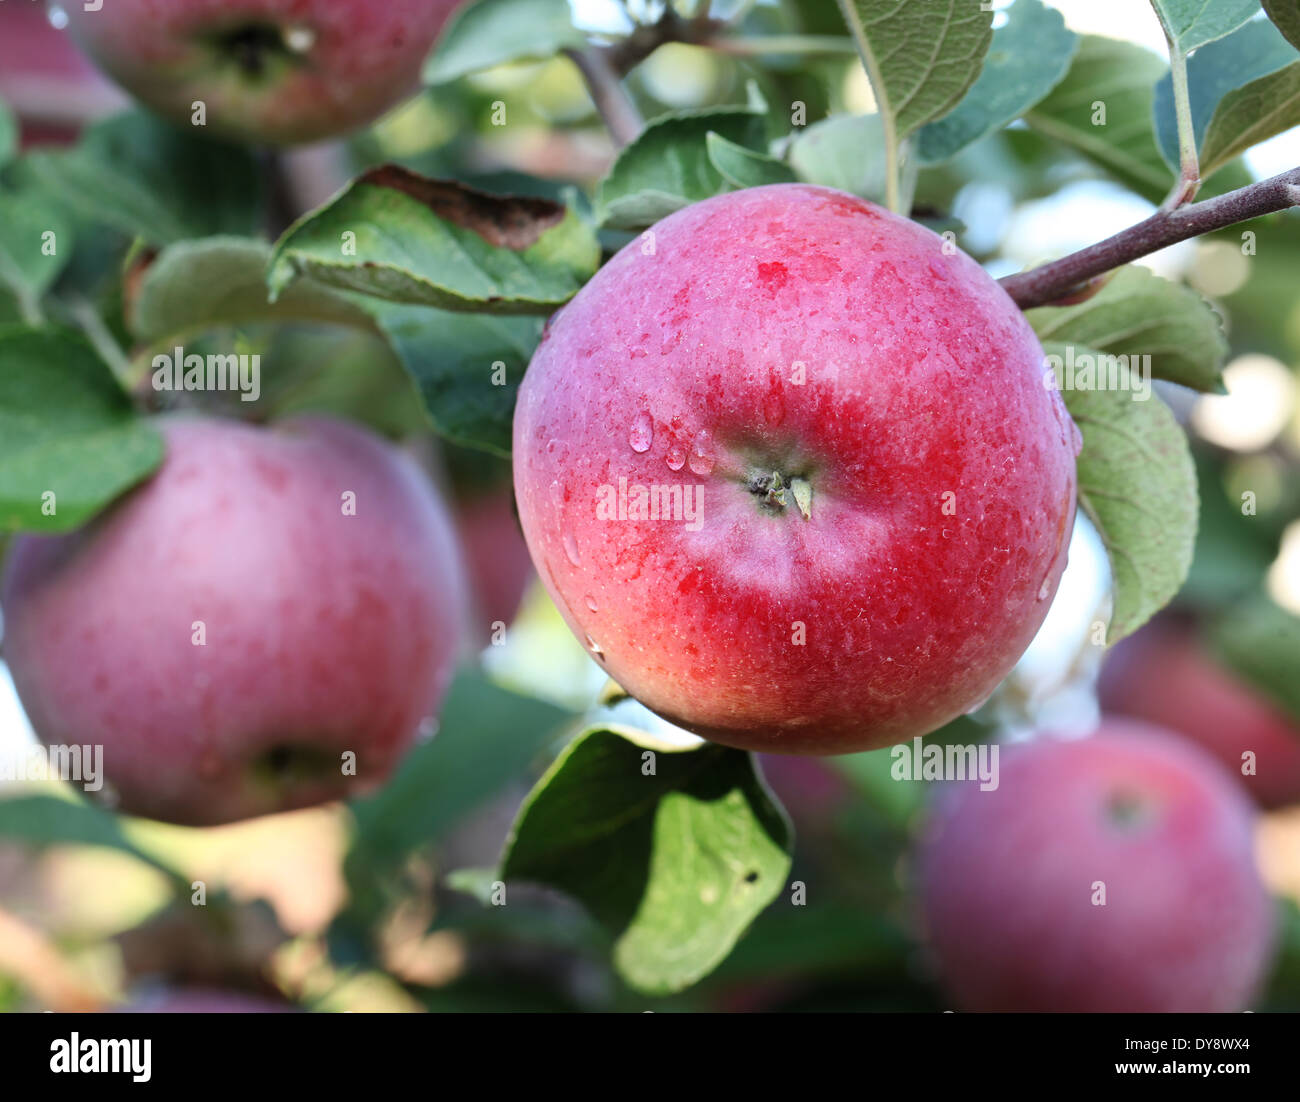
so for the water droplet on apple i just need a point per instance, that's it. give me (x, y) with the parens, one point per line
(702, 454)
(594, 647)
(676, 458)
(1045, 588)
(591, 603)
(571, 548)
(58, 17)
(557, 493)
(551, 446)
(427, 730)
(643, 432)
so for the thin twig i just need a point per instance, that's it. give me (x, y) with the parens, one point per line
(603, 67)
(1053, 281)
(622, 118)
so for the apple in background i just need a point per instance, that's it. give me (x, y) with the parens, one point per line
(322, 632)
(867, 489)
(1008, 880)
(810, 790)
(201, 1000)
(496, 557)
(1164, 674)
(276, 72)
(45, 80)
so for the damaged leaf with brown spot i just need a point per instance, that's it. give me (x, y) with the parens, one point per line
(396, 235)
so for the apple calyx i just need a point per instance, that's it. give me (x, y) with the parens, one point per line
(255, 47)
(770, 488)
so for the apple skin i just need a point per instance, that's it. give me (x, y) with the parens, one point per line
(1005, 880)
(1164, 674)
(362, 59)
(325, 633)
(678, 367)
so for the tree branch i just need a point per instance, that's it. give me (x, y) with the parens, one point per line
(622, 118)
(1045, 285)
(604, 67)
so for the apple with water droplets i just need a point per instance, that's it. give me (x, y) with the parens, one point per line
(268, 623)
(274, 72)
(791, 468)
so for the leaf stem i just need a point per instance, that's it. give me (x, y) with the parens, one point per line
(1046, 284)
(1189, 168)
(893, 161)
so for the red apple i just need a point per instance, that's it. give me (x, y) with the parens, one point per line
(279, 72)
(232, 628)
(495, 556)
(765, 354)
(1165, 675)
(1010, 881)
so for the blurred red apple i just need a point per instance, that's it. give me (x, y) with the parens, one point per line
(202, 1000)
(1110, 873)
(1165, 674)
(278, 72)
(271, 600)
(496, 556)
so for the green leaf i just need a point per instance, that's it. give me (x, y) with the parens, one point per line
(1261, 110)
(1213, 74)
(1116, 78)
(467, 367)
(152, 180)
(921, 56)
(1286, 17)
(1030, 55)
(8, 135)
(30, 261)
(486, 736)
(194, 288)
(676, 865)
(403, 237)
(66, 428)
(1261, 642)
(197, 285)
(845, 152)
(492, 32)
(668, 166)
(743, 168)
(54, 820)
(1192, 23)
(1138, 487)
(1137, 313)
